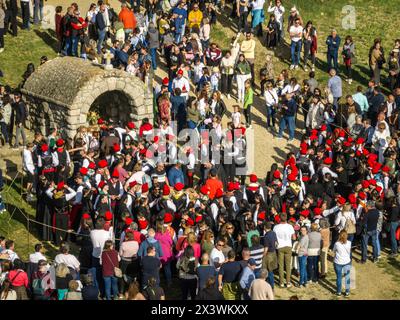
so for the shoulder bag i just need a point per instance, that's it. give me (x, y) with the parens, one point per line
(117, 271)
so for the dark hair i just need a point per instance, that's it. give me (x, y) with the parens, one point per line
(9, 244)
(231, 254)
(149, 249)
(108, 244)
(38, 247)
(18, 264)
(189, 252)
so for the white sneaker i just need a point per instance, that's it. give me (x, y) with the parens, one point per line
(350, 81)
(296, 66)
(312, 68)
(228, 96)
(291, 67)
(1, 50)
(305, 69)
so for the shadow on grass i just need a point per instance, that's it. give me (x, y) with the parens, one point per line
(48, 37)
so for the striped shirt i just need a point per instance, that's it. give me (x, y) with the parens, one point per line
(257, 252)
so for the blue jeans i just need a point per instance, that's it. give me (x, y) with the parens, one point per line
(37, 12)
(168, 272)
(67, 46)
(332, 57)
(378, 243)
(95, 271)
(270, 116)
(365, 238)
(101, 36)
(111, 284)
(74, 46)
(295, 49)
(312, 268)
(270, 279)
(303, 269)
(4, 131)
(289, 121)
(393, 240)
(153, 53)
(339, 270)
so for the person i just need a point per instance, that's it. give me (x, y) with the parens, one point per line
(102, 21)
(273, 30)
(333, 43)
(73, 293)
(229, 276)
(205, 271)
(247, 277)
(243, 73)
(284, 234)
(187, 267)
(195, 18)
(261, 289)
(248, 48)
(89, 290)
(63, 277)
(19, 109)
(295, 32)
(361, 100)
(342, 263)
(369, 223)
(393, 205)
(150, 266)
(257, 12)
(335, 87)
(376, 61)
(134, 293)
(68, 259)
(210, 291)
(325, 235)
(310, 45)
(248, 102)
(10, 250)
(25, 13)
(302, 255)
(288, 119)
(153, 291)
(271, 101)
(278, 10)
(127, 17)
(217, 257)
(19, 280)
(313, 253)
(109, 261)
(270, 260)
(7, 292)
(242, 12)
(348, 53)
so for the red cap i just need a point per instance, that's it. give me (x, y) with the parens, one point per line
(365, 184)
(60, 142)
(116, 147)
(261, 215)
(145, 187)
(166, 190)
(277, 174)
(314, 132)
(375, 169)
(379, 189)
(219, 193)
(328, 161)
(86, 216)
(128, 221)
(190, 222)
(142, 224)
(329, 142)
(323, 127)
(108, 216)
(83, 171)
(204, 190)
(132, 184)
(102, 183)
(313, 137)
(253, 178)
(165, 81)
(237, 185)
(130, 125)
(277, 219)
(231, 186)
(198, 218)
(115, 174)
(365, 152)
(180, 71)
(360, 141)
(60, 185)
(168, 217)
(342, 133)
(292, 177)
(100, 121)
(305, 213)
(292, 219)
(102, 163)
(317, 211)
(386, 169)
(303, 151)
(347, 144)
(92, 165)
(44, 147)
(178, 186)
(362, 195)
(341, 200)
(352, 198)
(305, 178)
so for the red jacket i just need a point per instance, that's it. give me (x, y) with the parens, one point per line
(76, 26)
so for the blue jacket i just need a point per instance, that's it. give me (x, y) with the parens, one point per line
(247, 278)
(100, 23)
(175, 175)
(291, 110)
(333, 44)
(147, 243)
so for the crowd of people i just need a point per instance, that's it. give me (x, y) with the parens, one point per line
(142, 210)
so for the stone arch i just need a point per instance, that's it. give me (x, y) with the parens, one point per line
(66, 88)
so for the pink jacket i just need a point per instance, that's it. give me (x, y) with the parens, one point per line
(166, 246)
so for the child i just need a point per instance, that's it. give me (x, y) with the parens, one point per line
(197, 70)
(248, 102)
(204, 78)
(214, 79)
(236, 116)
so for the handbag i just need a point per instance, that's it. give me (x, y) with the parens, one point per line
(117, 271)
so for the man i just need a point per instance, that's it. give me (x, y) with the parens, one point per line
(25, 14)
(351, 103)
(260, 289)
(369, 222)
(205, 271)
(195, 18)
(10, 246)
(248, 47)
(217, 257)
(11, 16)
(179, 14)
(150, 242)
(376, 101)
(333, 43)
(296, 33)
(127, 17)
(284, 234)
(361, 100)
(213, 183)
(228, 277)
(270, 261)
(101, 25)
(182, 83)
(20, 113)
(335, 86)
(289, 112)
(150, 266)
(29, 169)
(247, 277)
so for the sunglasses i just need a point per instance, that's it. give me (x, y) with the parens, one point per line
(229, 228)
(219, 245)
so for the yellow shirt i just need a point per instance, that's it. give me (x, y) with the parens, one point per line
(195, 18)
(248, 48)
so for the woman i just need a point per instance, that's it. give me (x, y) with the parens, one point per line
(243, 72)
(166, 242)
(73, 293)
(192, 241)
(313, 252)
(217, 105)
(380, 140)
(242, 12)
(207, 242)
(272, 32)
(315, 114)
(187, 266)
(63, 277)
(348, 57)
(205, 30)
(227, 70)
(258, 17)
(345, 220)
(302, 255)
(376, 62)
(325, 236)
(129, 260)
(109, 261)
(19, 280)
(351, 116)
(248, 102)
(41, 290)
(91, 20)
(7, 293)
(133, 292)
(310, 45)
(2, 25)
(133, 66)
(342, 262)
(210, 291)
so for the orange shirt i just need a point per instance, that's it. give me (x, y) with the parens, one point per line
(127, 17)
(214, 185)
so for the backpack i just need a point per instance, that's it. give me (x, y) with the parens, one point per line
(349, 227)
(37, 287)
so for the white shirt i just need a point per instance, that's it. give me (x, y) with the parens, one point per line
(271, 97)
(236, 119)
(284, 232)
(28, 161)
(12, 255)
(99, 237)
(342, 253)
(180, 83)
(342, 217)
(278, 12)
(290, 89)
(298, 31)
(36, 257)
(70, 260)
(258, 4)
(216, 256)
